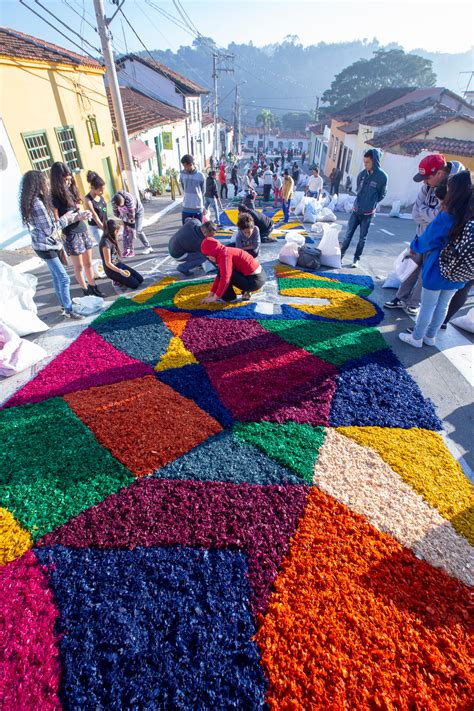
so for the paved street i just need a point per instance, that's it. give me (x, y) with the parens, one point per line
(440, 372)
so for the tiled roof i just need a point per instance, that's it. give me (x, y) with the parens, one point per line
(402, 133)
(142, 113)
(450, 146)
(371, 103)
(208, 119)
(381, 118)
(17, 44)
(184, 85)
(318, 128)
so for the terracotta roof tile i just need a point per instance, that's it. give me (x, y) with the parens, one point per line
(318, 128)
(142, 112)
(21, 46)
(184, 85)
(402, 133)
(450, 146)
(371, 103)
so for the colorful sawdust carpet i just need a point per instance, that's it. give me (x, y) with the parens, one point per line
(205, 507)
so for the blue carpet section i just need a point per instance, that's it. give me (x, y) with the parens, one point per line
(224, 458)
(192, 382)
(376, 390)
(155, 628)
(141, 335)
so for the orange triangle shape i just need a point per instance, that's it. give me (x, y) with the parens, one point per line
(175, 321)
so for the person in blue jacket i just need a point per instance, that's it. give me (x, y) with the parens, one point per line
(371, 189)
(437, 291)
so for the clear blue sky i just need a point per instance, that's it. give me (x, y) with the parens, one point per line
(432, 26)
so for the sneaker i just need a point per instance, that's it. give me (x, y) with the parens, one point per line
(72, 315)
(355, 264)
(411, 311)
(148, 250)
(429, 341)
(395, 303)
(408, 338)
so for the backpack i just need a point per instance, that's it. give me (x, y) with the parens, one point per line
(309, 257)
(456, 260)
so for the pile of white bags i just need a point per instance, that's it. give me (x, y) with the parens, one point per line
(290, 250)
(17, 306)
(311, 211)
(345, 203)
(465, 322)
(329, 246)
(296, 198)
(326, 215)
(17, 354)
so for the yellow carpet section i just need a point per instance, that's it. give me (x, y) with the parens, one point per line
(278, 216)
(154, 289)
(343, 305)
(176, 356)
(190, 298)
(14, 540)
(176, 322)
(422, 459)
(233, 215)
(283, 271)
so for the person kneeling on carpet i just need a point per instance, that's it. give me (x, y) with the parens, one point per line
(235, 268)
(260, 220)
(120, 273)
(248, 235)
(185, 244)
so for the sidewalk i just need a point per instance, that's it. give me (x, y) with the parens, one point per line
(157, 207)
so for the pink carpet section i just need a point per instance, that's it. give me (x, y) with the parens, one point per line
(29, 668)
(87, 362)
(280, 383)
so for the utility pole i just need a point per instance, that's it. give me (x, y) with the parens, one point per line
(237, 120)
(220, 63)
(316, 113)
(105, 37)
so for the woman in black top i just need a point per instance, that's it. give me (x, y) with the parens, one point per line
(234, 179)
(96, 204)
(77, 240)
(120, 273)
(211, 196)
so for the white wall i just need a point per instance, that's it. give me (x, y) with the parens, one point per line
(400, 171)
(12, 233)
(149, 82)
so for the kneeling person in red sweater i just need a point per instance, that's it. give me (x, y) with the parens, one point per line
(235, 268)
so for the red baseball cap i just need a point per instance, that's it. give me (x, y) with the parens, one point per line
(429, 166)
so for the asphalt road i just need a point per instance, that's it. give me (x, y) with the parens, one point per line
(436, 371)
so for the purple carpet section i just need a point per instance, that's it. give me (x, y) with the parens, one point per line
(259, 520)
(87, 362)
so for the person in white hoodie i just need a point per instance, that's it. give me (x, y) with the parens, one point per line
(433, 171)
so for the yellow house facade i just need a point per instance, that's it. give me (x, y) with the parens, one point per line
(54, 107)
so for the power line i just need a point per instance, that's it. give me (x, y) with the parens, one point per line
(69, 28)
(82, 16)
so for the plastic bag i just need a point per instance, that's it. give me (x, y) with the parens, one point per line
(310, 213)
(17, 354)
(329, 246)
(296, 198)
(395, 211)
(87, 305)
(465, 322)
(290, 251)
(391, 282)
(327, 215)
(404, 265)
(17, 306)
(318, 229)
(299, 209)
(98, 269)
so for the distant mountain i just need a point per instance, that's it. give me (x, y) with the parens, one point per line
(287, 76)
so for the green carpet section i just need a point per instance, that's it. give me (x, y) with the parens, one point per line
(334, 342)
(52, 467)
(293, 445)
(120, 307)
(289, 283)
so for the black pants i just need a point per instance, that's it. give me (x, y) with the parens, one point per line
(254, 282)
(224, 189)
(236, 187)
(133, 281)
(458, 300)
(266, 192)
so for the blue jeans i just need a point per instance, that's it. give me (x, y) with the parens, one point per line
(213, 202)
(191, 261)
(61, 282)
(285, 204)
(139, 228)
(433, 309)
(356, 220)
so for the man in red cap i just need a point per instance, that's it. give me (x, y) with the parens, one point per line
(433, 171)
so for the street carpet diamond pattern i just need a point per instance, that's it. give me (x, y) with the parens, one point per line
(188, 518)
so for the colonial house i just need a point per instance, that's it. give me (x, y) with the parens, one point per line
(274, 140)
(225, 134)
(54, 108)
(390, 118)
(157, 130)
(319, 143)
(154, 79)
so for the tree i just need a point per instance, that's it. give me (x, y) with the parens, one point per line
(268, 120)
(387, 68)
(296, 120)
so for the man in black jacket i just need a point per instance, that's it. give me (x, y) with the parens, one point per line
(263, 222)
(185, 244)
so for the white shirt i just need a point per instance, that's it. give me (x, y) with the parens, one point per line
(315, 184)
(267, 177)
